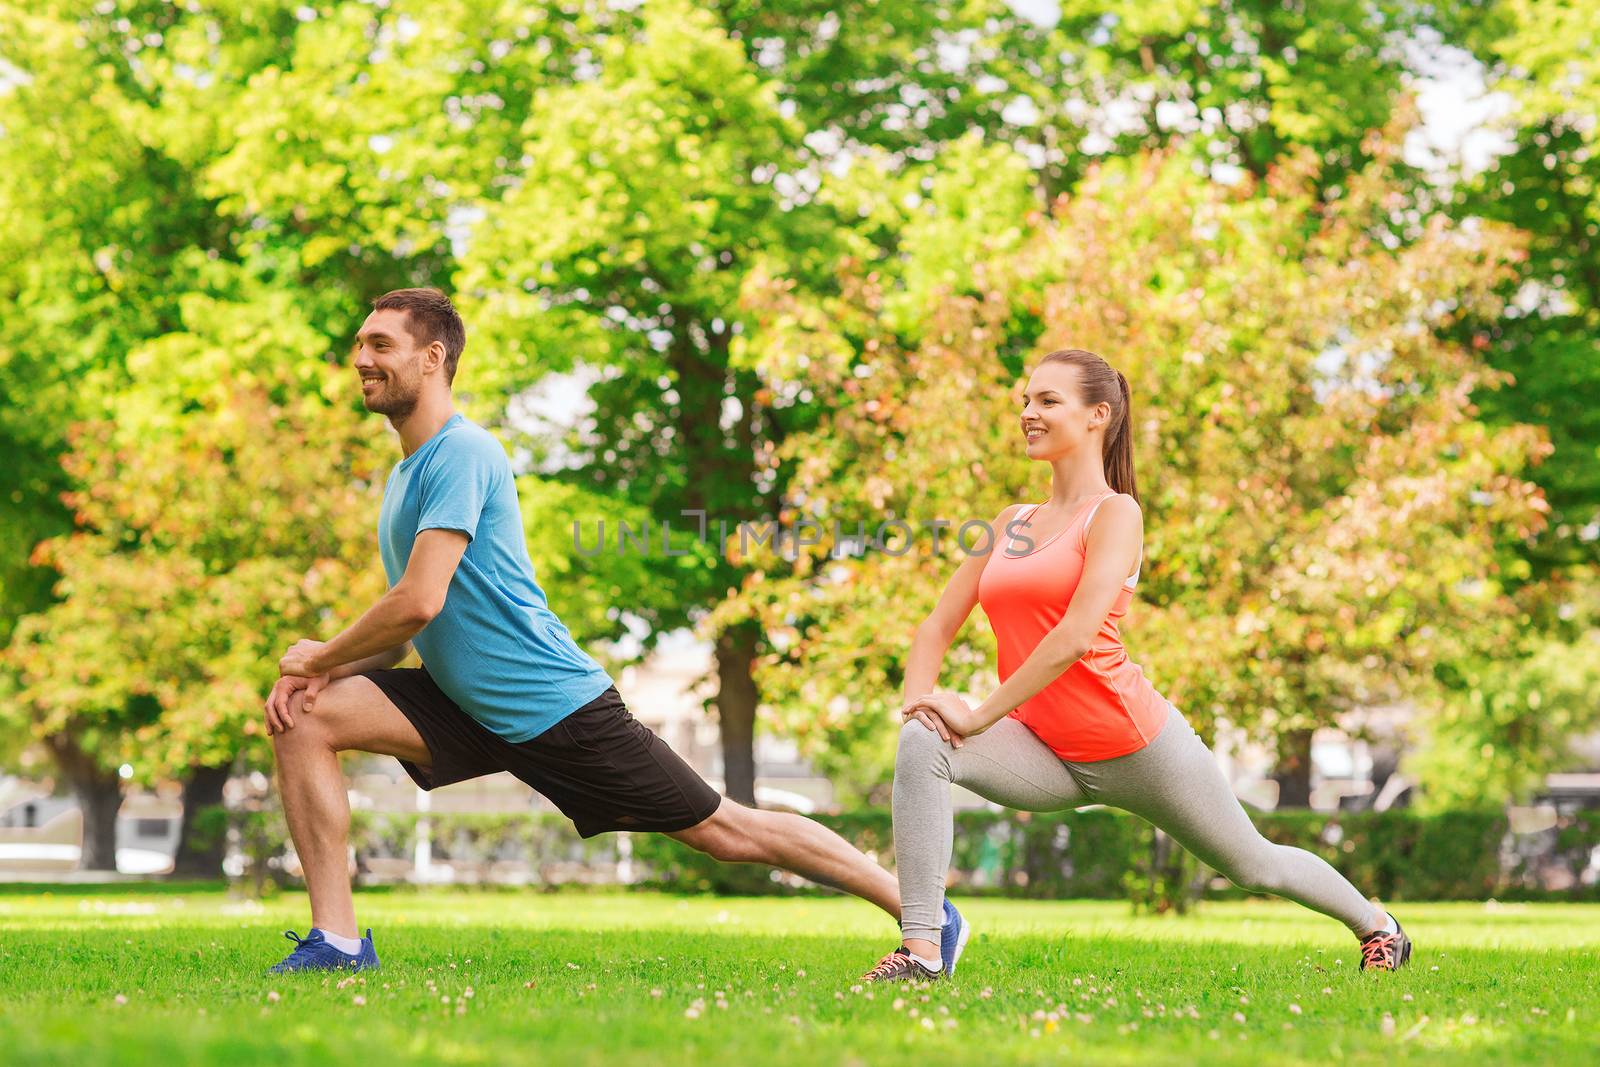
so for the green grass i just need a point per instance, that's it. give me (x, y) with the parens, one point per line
(172, 976)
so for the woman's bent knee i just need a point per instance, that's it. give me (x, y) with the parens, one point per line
(920, 747)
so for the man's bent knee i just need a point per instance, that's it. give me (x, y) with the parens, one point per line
(307, 732)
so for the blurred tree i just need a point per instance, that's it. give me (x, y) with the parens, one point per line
(1245, 82)
(225, 512)
(1514, 710)
(1322, 503)
(601, 182)
(1548, 185)
(1241, 82)
(641, 197)
(348, 142)
(104, 233)
(1516, 706)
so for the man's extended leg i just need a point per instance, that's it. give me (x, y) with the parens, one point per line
(737, 834)
(350, 713)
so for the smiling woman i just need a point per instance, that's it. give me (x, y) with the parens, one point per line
(1074, 721)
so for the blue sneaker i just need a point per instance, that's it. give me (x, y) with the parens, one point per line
(952, 937)
(313, 953)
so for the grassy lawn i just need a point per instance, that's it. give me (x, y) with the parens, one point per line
(173, 975)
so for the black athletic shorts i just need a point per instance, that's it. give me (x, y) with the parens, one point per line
(603, 768)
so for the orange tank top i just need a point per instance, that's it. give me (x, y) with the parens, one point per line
(1102, 706)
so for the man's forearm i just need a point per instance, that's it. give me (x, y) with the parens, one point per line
(375, 662)
(395, 619)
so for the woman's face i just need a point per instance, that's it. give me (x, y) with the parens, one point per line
(1055, 420)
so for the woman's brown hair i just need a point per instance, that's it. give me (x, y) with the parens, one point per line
(1099, 383)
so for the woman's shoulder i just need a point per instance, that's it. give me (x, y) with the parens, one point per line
(1120, 508)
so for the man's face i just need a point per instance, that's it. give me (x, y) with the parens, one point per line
(389, 360)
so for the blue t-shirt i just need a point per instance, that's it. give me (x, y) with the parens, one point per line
(496, 648)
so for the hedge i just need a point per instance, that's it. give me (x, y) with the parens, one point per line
(1095, 853)
(1394, 855)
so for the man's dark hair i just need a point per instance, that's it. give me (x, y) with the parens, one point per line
(431, 317)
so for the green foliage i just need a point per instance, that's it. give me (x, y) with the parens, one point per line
(1549, 50)
(1323, 507)
(1513, 712)
(790, 244)
(479, 838)
(230, 513)
(104, 235)
(642, 196)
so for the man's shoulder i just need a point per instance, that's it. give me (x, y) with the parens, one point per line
(467, 441)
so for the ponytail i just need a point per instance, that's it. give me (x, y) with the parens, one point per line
(1098, 383)
(1119, 444)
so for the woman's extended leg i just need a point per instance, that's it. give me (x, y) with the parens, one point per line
(1175, 784)
(1006, 763)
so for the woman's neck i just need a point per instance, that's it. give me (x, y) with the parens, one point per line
(1076, 476)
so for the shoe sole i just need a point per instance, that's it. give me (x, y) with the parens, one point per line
(346, 968)
(961, 944)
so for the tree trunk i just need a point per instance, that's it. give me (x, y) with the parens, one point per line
(99, 794)
(1293, 773)
(201, 840)
(736, 710)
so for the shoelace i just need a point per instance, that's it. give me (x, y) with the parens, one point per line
(1375, 951)
(886, 966)
(302, 946)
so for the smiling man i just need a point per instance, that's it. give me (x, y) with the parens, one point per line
(503, 686)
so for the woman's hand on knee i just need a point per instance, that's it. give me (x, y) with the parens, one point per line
(931, 720)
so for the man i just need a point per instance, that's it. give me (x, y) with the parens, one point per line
(502, 687)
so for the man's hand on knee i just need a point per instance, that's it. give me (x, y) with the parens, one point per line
(280, 711)
(313, 687)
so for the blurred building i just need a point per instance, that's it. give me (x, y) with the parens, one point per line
(41, 834)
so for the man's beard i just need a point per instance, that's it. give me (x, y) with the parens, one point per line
(391, 401)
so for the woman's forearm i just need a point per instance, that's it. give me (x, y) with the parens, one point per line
(1047, 662)
(923, 662)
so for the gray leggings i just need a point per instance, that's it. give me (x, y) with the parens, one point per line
(1173, 782)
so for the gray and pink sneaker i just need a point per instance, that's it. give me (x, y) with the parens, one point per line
(1384, 951)
(898, 966)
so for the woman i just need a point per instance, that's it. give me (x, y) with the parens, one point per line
(1074, 721)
